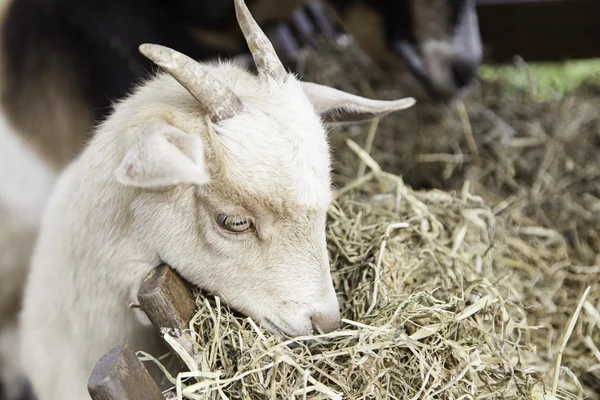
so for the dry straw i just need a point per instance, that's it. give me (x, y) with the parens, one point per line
(484, 288)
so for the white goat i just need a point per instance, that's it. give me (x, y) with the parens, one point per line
(221, 174)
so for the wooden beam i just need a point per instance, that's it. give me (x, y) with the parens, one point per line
(120, 375)
(539, 30)
(170, 305)
(166, 299)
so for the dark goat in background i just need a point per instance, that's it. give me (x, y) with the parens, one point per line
(65, 61)
(434, 45)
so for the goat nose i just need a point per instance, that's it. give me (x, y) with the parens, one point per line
(326, 321)
(463, 73)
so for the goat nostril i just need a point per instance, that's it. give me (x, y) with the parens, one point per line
(326, 322)
(463, 73)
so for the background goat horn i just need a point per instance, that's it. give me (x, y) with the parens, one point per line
(215, 97)
(266, 59)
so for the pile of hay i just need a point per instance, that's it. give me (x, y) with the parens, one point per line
(484, 283)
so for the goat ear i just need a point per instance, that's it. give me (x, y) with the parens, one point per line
(337, 107)
(163, 156)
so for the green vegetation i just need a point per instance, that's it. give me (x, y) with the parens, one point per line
(545, 80)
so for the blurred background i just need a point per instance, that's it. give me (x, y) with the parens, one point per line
(508, 105)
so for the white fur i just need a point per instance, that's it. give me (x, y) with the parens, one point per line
(26, 179)
(142, 193)
(26, 183)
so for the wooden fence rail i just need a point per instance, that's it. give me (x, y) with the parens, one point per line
(169, 304)
(119, 375)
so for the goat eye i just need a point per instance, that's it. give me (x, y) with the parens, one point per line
(235, 224)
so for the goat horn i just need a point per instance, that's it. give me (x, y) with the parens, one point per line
(215, 97)
(266, 59)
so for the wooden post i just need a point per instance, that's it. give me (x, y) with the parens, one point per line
(120, 375)
(170, 305)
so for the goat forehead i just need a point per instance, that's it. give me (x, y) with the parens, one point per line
(268, 164)
(278, 148)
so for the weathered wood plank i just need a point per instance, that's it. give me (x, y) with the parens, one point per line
(539, 30)
(166, 299)
(170, 305)
(119, 375)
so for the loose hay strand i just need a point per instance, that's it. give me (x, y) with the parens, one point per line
(368, 146)
(464, 116)
(566, 337)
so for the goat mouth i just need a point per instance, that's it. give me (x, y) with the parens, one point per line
(281, 333)
(273, 327)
